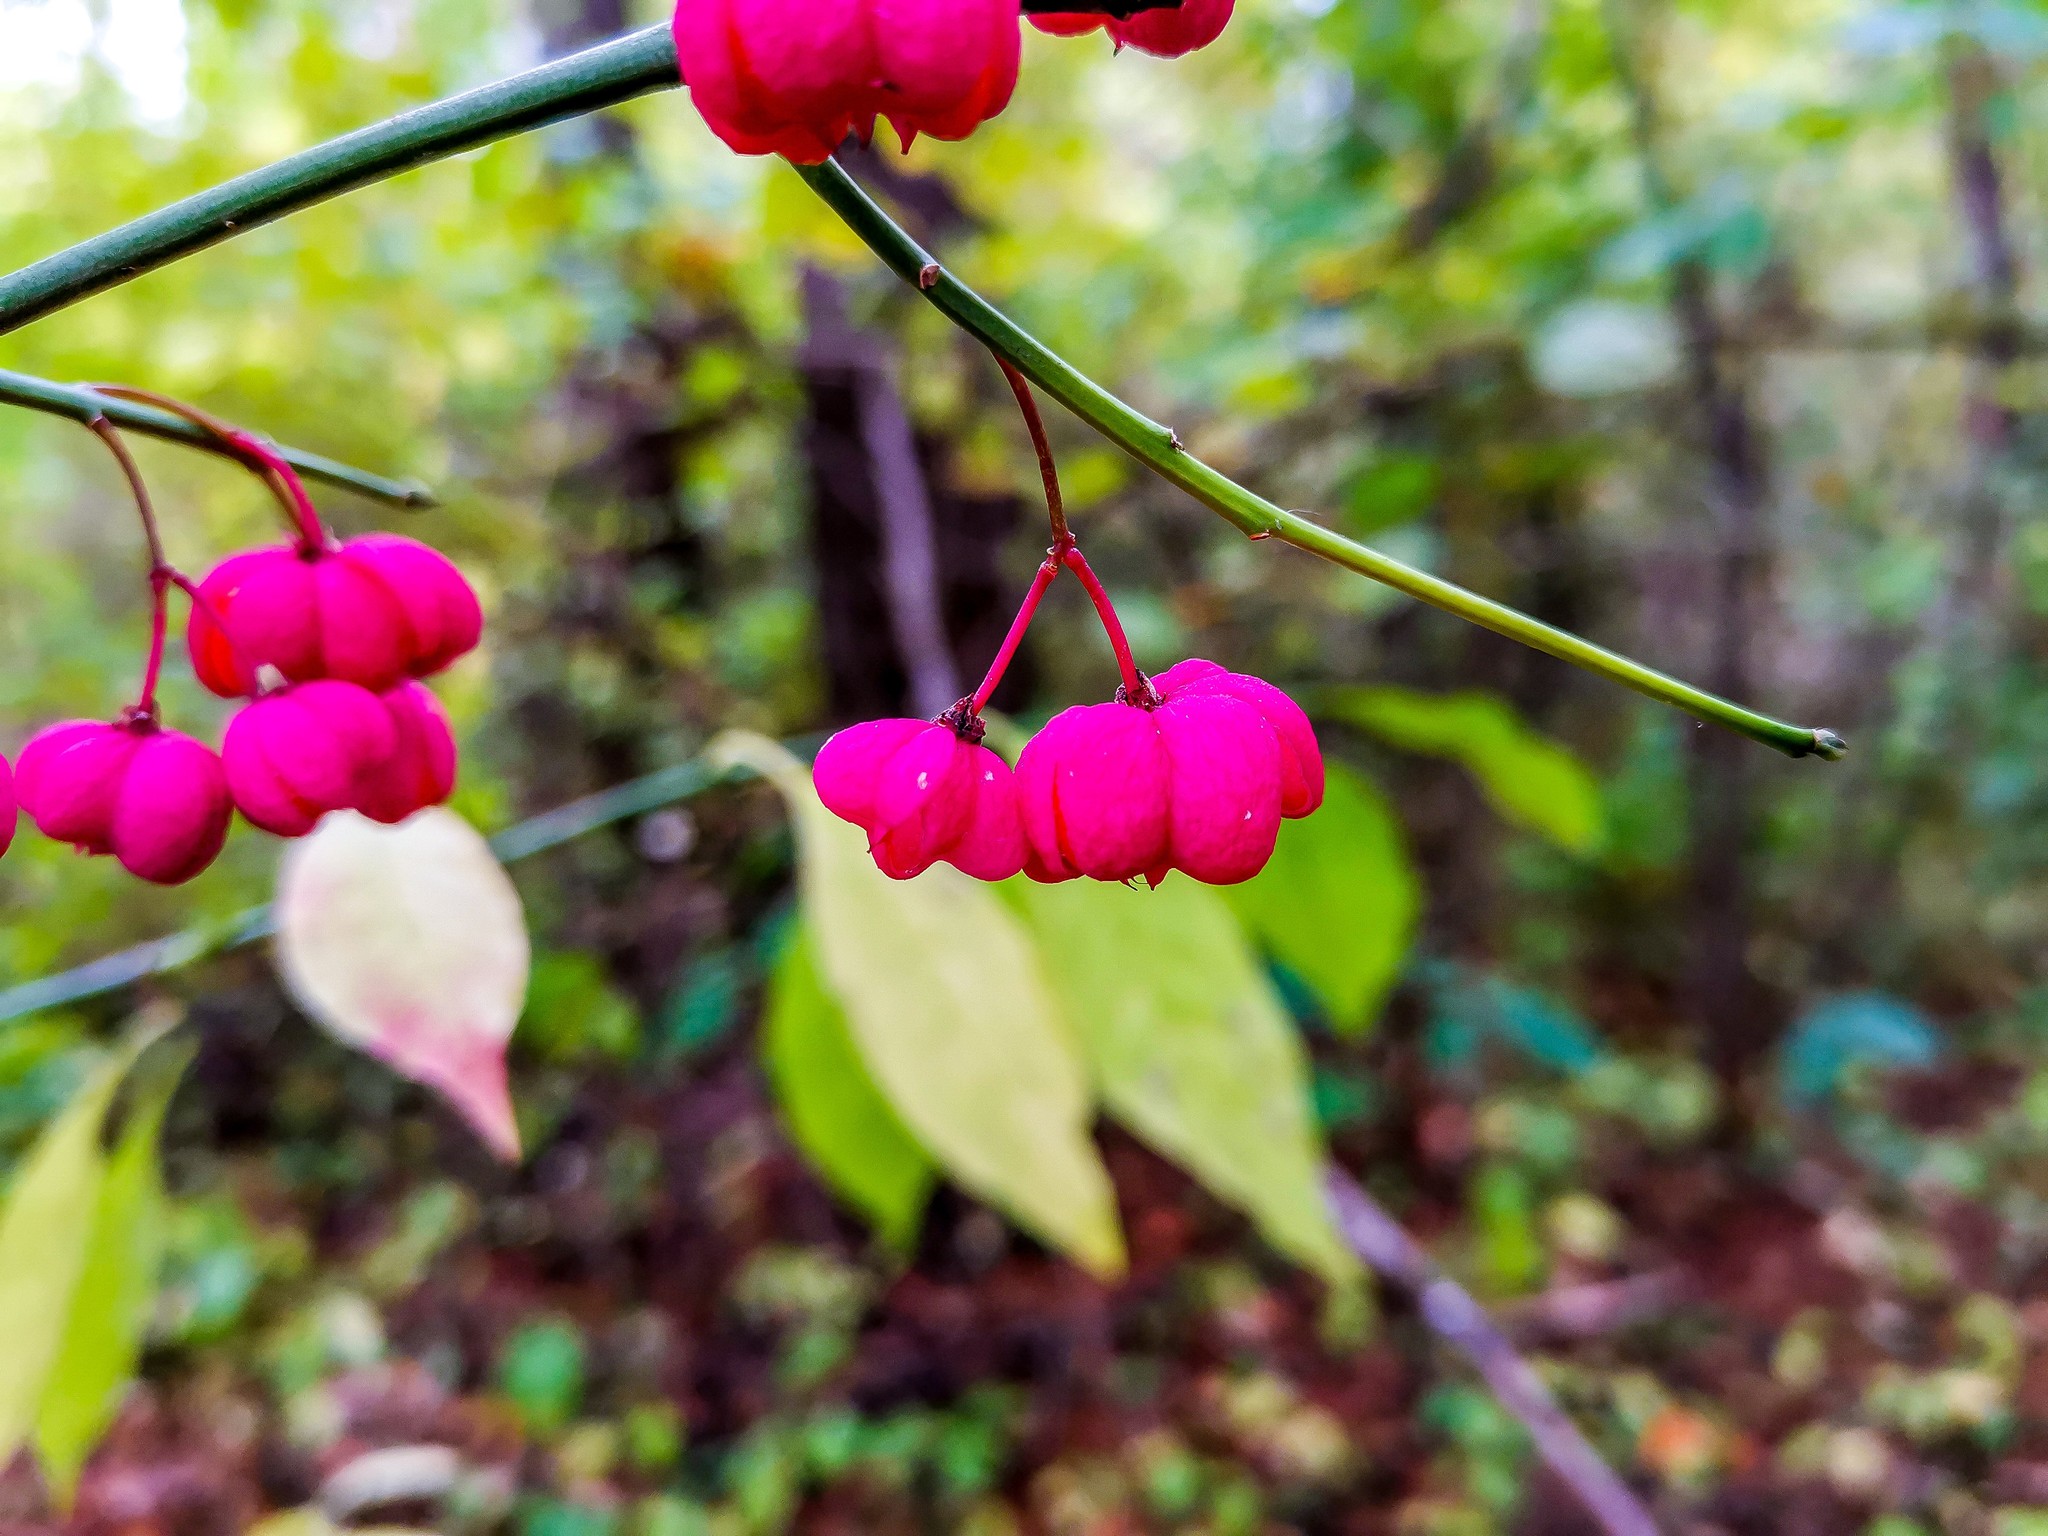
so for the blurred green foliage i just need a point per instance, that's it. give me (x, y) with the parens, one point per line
(1400, 263)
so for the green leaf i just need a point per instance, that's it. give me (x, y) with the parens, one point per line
(1191, 1047)
(574, 1013)
(948, 1006)
(542, 1371)
(1504, 1211)
(1531, 780)
(116, 1292)
(835, 1112)
(46, 1234)
(1338, 903)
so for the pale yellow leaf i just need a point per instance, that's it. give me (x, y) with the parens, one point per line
(115, 1292)
(409, 942)
(1192, 1050)
(45, 1234)
(950, 1010)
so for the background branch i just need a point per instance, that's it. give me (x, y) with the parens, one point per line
(1451, 1313)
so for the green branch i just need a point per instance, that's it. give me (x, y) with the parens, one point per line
(1159, 449)
(645, 61)
(83, 405)
(601, 77)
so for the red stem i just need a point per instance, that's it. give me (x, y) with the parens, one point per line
(159, 629)
(258, 455)
(285, 484)
(160, 572)
(1048, 471)
(1137, 688)
(1015, 638)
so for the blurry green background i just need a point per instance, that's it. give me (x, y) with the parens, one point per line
(1705, 328)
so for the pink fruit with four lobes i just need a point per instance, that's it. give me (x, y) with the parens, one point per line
(372, 611)
(1199, 783)
(923, 794)
(294, 755)
(419, 771)
(795, 77)
(1168, 33)
(9, 811)
(153, 799)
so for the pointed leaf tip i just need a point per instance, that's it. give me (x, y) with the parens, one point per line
(410, 943)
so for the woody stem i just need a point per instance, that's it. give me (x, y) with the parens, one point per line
(1046, 572)
(1160, 449)
(644, 62)
(1137, 688)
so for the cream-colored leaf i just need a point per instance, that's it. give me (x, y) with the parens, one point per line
(409, 942)
(950, 1010)
(1191, 1048)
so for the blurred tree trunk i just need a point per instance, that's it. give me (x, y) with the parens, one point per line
(620, 404)
(1978, 184)
(1722, 995)
(872, 527)
(912, 587)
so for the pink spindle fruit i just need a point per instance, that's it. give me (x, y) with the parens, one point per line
(1199, 783)
(371, 612)
(923, 794)
(1168, 33)
(9, 811)
(419, 771)
(795, 77)
(293, 756)
(440, 607)
(154, 799)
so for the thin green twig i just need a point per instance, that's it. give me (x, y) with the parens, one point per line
(645, 61)
(83, 405)
(1159, 448)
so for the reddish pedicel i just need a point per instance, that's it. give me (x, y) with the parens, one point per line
(1167, 33)
(419, 771)
(923, 794)
(371, 612)
(1198, 783)
(795, 77)
(293, 756)
(153, 799)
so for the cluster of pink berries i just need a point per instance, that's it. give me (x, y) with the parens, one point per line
(326, 642)
(796, 77)
(1193, 770)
